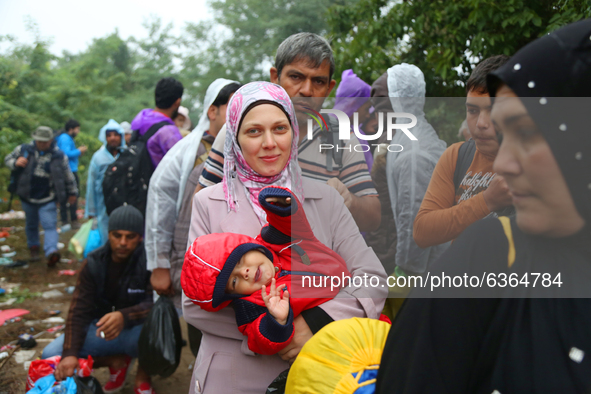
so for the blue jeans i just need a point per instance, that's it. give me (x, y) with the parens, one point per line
(47, 215)
(125, 343)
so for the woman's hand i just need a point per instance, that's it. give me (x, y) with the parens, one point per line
(301, 335)
(277, 301)
(281, 201)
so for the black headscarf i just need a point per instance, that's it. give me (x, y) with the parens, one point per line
(532, 338)
(552, 76)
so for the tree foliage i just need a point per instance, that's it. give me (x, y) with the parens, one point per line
(115, 78)
(445, 38)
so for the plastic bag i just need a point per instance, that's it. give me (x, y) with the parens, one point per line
(88, 385)
(160, 341)
(78, 242)
(94, 239)
(277, 386)
(42, 368)
(46, 386)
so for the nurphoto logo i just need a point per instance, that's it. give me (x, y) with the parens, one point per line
(344, 128)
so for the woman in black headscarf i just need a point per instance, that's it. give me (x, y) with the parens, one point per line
(522, 337)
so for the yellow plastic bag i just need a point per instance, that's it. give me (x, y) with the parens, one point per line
(78, 241)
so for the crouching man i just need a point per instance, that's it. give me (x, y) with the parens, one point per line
(112, 298)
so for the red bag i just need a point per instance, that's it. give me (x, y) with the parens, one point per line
(41, 368)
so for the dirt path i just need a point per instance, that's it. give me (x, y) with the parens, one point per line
(36, 278)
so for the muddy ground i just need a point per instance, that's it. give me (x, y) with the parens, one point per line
(35, 279)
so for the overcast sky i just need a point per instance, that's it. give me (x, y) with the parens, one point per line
(72, 24)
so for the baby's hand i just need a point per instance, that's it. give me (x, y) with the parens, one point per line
(276, 302)
(281, 201)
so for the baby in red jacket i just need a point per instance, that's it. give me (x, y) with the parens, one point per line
(285, 257)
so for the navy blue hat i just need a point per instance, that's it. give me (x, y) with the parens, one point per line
(219, 291)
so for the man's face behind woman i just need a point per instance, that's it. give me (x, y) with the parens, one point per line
(265, 137)
(539, 191)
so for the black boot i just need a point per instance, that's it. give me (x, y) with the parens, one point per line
(53, 258)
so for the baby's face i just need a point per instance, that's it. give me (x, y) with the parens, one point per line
(250, 274)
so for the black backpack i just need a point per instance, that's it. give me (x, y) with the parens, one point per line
(332, 137)
(126, 180)
(465, 158)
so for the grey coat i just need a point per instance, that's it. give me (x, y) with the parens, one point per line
(224, 363)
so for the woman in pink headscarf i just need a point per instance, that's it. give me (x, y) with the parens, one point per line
(261, 150)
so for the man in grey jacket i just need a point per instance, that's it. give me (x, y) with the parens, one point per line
(41, 175)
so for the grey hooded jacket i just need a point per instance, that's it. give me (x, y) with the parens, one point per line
(409, 171)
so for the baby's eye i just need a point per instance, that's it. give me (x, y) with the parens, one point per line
(234, 283)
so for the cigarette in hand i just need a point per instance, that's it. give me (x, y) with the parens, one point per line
(103, 334)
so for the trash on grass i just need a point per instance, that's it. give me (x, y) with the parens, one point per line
(12, 215)
(52, 294)
(60, 245)
(5, 248)
(70, 289)
(54, 285)
(17, 264)
(24, 355)
(9, 254)
(52, 320)
(26, 341)
(67, 272)
(8, 302)
(56, 328)
(11, 314)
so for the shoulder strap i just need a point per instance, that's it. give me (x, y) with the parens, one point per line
(26, 150)
(506, 223)
(152, 130)
(337, 154)
(465, 158)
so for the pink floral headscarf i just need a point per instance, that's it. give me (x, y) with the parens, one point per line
(235, 165)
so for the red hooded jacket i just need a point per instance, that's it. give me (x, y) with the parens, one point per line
(312, 272)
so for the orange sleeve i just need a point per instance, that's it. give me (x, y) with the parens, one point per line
(439, 220)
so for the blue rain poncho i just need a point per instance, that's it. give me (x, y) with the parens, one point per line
(102, 158)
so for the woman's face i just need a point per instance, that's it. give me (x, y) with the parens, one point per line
(540, 195)
(265, 139)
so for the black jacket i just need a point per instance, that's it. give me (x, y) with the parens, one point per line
(90, 302)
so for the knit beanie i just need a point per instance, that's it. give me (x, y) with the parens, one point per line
(127, 218)
(219, 292)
